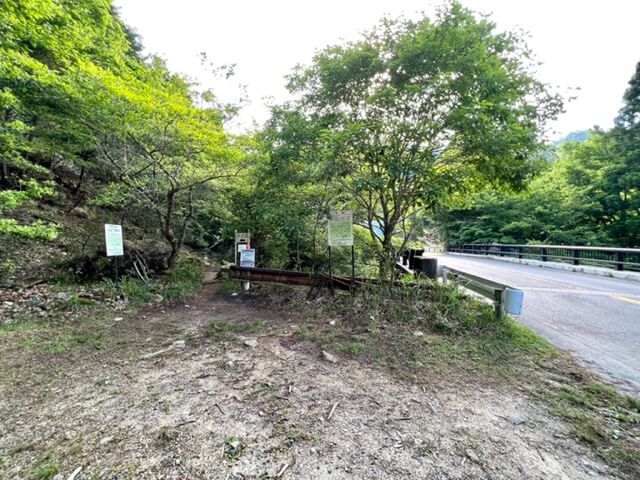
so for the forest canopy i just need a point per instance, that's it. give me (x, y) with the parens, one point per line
(439, 119)
(587, 194)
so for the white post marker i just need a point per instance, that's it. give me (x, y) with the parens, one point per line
(242, 241)
(113, 240)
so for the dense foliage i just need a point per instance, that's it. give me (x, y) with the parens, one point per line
(589, 194)
(412, 117)
(402, 120)
(78, 105)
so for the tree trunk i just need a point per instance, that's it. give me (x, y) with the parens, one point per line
(4, 172)
(167, 231)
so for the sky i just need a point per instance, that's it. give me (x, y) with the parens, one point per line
(590, 45)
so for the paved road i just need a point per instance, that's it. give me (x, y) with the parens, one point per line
(597, 319)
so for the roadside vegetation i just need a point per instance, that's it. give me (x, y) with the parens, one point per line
(430, 331)
(587, 193)
(94, 131)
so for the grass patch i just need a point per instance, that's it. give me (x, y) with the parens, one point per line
(221, 329)
(226, 286)
(175, 285)
(66, 341)
(601, 417)
(460, 334)
(55, 334)
(45, 469)
(22, 323)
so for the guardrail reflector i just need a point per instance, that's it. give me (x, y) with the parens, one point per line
(513, 300)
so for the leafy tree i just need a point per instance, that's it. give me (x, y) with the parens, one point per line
(158, 151)
(621, 188)
(412, 115)
(588, 195)
(78, 99)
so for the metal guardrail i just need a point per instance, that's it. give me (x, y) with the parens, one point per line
(618, 258)
(504, 297)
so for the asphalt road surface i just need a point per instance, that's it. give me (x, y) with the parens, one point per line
(597, 319)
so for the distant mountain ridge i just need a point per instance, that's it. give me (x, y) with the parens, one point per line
(577, 136)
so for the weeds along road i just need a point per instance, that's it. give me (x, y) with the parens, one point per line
(596, 318)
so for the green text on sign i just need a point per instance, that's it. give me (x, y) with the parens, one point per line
(341, 229)
(113, 240)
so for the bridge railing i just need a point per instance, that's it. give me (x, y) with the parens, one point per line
(617, 258)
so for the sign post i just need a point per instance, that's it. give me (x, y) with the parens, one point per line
(340, 231)
(113, 242)
(242, 242)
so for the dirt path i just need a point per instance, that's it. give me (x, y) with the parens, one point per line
(218, 409)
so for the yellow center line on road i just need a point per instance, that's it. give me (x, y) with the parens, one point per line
(626, 299)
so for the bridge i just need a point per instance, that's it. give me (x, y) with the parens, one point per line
(595, 318)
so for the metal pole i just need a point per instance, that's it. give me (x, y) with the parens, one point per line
(115, 259)
(353, 267)
(330, 270)
(499, 303)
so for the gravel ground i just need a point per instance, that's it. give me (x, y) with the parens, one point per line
(215, 408)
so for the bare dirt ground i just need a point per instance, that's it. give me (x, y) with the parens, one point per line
(216, 408)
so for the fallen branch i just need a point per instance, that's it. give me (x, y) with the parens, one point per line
(283, 469)
(186, 422)
(33, 284)
(75, 473)
(333, 409)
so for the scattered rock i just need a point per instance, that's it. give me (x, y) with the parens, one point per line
(34, 302)
(62, 296)
(251, 343)
(157, 298)
(105, 440)
(329, 357)
(118, 319)
(516, 419)
(471, 455)
(80, 212)
(418, 333)
(332, 323)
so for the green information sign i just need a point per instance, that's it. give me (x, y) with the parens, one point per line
(113, 240)
(341, 229)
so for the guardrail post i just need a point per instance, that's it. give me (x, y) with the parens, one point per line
(520, 250)
(575, 255)
(619, 260)
(499, 304)
(544, 254)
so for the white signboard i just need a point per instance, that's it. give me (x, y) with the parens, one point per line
(248, 258)
(341, 229)
(242, 246)
(113, 240)
(243, 237)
